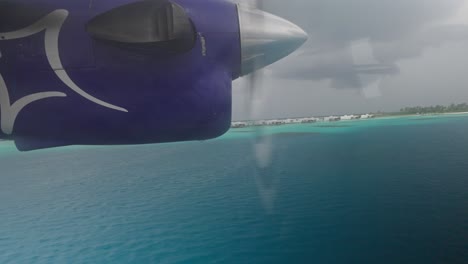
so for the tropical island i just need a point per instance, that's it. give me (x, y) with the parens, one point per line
(407, 111)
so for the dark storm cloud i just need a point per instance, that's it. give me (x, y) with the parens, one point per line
(393, 29)
(337, 65)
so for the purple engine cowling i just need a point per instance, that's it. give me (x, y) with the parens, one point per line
(61, 85)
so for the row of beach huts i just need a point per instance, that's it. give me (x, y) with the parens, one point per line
(305, 120)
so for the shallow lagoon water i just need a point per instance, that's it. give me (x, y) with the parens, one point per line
(388, 190)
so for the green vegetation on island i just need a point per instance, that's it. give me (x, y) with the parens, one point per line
(438, 109)
(426, 110)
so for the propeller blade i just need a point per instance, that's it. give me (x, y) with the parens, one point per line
(262, 145)
(265, 39)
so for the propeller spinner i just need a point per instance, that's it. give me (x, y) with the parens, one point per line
(266, 38)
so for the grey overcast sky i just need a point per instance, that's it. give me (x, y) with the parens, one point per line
(363, 56)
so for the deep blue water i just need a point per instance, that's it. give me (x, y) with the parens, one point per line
(380, 191)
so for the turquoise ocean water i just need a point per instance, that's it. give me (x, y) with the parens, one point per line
(391, 190)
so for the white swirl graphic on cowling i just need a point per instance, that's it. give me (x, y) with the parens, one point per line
(9, 111)
(51, 24)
